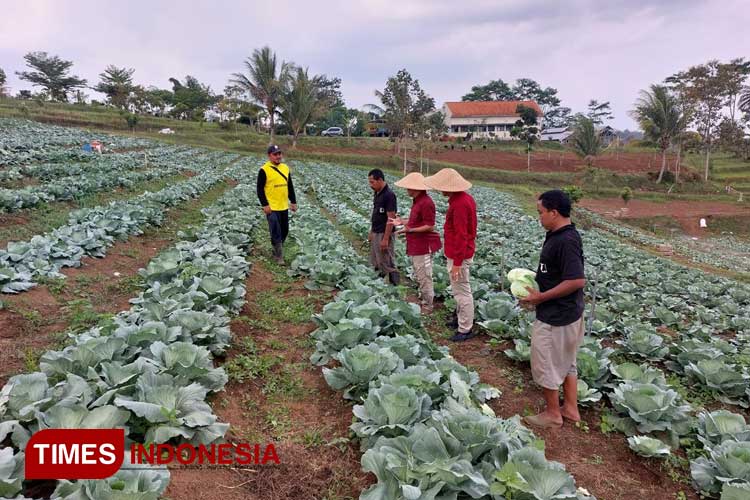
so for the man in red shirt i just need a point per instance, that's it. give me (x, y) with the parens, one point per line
(460, 233)
(421, 238)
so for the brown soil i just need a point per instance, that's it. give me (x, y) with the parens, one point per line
(12, 220)
(557, 161)
(601, 463)
(687, 213)
(33, 321)
(308, 470)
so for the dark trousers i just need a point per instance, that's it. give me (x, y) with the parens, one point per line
(278, 225)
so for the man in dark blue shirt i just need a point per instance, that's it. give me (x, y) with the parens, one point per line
(384, 207)
(558, 330)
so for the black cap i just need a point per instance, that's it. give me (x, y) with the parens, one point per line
(273, 148)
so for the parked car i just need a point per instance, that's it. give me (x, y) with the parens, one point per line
(333, 132)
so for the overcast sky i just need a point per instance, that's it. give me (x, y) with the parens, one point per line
(587, 49)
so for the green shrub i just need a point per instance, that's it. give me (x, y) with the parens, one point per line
(574, 192)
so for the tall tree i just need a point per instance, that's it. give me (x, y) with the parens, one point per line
(586, 140)
(660, 116)
(232, 106)
(545, 97)
(404, 105)
(3, 79)
(190, 99)
(117, 84)
(703, 92)
(436, 126)
(526, 129)
(52, 74)
(155, 100)
(599, 111)
(350, 119)
(559, 116)
(553, 115)
(744, 102)
(733, 76)
(300, 102)
(329, 90)
(264, 81)
(496, 90)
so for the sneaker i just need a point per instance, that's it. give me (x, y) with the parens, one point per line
(460, 337)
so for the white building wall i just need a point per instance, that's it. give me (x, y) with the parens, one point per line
(485, 127)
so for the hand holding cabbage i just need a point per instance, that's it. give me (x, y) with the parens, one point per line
(523, 286)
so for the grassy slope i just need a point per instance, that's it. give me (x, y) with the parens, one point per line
(596, 183)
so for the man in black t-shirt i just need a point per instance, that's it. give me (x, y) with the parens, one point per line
(382, 250)
(558, 330)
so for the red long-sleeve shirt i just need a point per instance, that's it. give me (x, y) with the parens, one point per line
(460, 227)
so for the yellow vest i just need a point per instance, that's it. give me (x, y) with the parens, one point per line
(277, 188)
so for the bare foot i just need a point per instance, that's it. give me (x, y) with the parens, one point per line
(571, 415)
(544, 421)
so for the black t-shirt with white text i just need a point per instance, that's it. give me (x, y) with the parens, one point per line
(383, 202)
(561, 259)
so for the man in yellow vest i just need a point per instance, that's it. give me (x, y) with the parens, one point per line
(276, 195)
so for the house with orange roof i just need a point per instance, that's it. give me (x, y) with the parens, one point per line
(484, 119)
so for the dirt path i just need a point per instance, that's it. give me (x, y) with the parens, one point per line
(288, 404)
(687, 213)
(28, 222)
(35, 321)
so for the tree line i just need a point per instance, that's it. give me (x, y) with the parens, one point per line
(712, 100)
(701, 107)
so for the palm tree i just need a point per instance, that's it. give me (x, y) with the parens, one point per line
(300, 102)
(745, 100)
(586, 140)
(264, 81)
(660, 116)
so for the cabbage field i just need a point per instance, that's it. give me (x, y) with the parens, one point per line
(666, 358)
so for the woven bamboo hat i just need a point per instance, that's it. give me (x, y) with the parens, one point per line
(447, 180)
(414, 180)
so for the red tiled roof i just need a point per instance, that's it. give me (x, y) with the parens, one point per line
(488, 108)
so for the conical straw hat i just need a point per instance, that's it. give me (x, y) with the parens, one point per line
(414, 180)
(447, 180)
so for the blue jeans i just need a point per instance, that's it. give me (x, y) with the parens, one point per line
(278, 225)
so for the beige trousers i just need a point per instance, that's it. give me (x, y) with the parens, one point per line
(423, 273)
(462, 294)
(553, 352)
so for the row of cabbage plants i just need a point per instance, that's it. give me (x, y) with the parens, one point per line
(641, 300)
(645, 406)
(24, 141)
(421, 417)
(150, 368)
(90, 231)
(88, 164)
(727, 253)
(116, 170)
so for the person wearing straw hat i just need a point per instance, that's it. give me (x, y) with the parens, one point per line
(460, 233)
(382, 244)
(421, 238)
